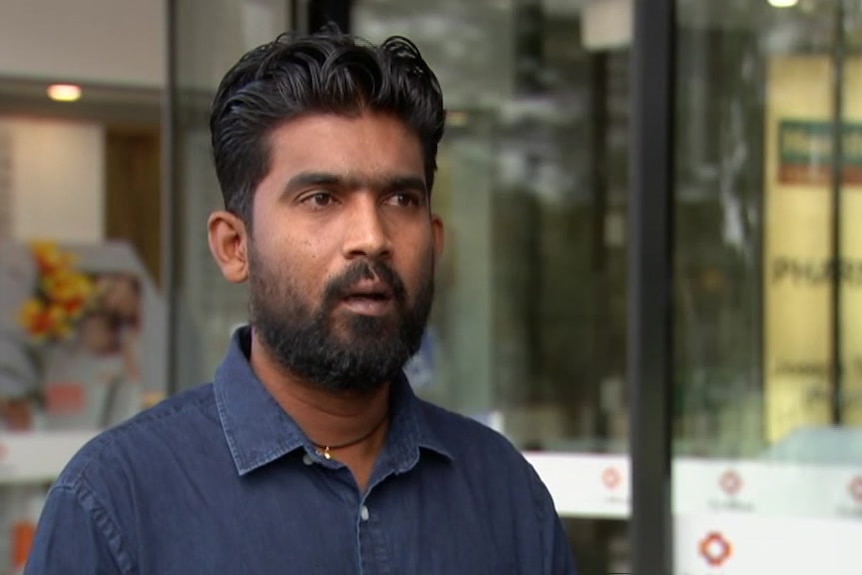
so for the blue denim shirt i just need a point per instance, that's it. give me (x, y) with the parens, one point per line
(220, 480)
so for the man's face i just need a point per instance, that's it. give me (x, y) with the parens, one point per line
(342, 250)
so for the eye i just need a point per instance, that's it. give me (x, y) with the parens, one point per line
(319, 199)
(404, 199)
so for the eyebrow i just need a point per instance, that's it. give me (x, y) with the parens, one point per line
(390, 183)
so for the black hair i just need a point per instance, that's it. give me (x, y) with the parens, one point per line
(327, 72)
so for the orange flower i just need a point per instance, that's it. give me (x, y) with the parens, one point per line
(43, 321)
(61, 297)
(69, 288)
(49, 257)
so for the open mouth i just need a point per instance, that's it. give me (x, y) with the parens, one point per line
(369, 300)
(376, 296)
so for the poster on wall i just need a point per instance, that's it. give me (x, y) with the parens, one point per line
(77, 343)
(799, 272)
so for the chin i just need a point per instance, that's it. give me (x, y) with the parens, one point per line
(363, 327)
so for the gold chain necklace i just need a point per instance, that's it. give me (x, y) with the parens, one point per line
(325, 450)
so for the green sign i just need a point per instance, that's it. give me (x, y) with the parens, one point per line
(806, 155)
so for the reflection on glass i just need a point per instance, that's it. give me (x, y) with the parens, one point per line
(528, 331)
(758, 335)
(211, 35)
(767, 296)
(528, 328)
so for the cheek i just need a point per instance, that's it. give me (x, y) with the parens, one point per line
(308, 267)
(419, 270)
(291, 250)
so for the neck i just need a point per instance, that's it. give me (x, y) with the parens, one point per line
(328, 418)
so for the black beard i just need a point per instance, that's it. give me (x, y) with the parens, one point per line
(371, 351)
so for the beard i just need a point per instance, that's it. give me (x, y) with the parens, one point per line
(358, 353)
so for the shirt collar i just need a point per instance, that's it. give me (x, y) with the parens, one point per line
(258, 431)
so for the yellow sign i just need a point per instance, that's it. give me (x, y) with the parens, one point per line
(799, 274)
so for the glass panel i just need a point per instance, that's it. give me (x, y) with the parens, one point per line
(767, 287)
(530, 321)
(207, 307)
(528, 329)
(84, 177)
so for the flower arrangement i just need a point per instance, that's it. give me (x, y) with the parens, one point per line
(61, 294)
(73, 359)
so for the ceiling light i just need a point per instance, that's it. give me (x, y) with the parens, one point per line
(783, 3)
(64, 92)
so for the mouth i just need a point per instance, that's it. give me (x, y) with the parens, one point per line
(369, 299)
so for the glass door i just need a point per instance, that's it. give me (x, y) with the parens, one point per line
(529, 327)
(767, 380)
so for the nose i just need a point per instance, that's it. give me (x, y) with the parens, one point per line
(366, 234)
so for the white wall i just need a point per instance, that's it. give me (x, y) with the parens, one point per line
(56, 179)
(117, 42)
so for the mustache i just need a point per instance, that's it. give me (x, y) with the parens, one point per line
(339, 287)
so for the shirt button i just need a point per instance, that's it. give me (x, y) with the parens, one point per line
(363, 513)
(306, 459)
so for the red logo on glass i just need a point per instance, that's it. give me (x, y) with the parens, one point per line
(611, 478)
(715, 549)
(855, 488)
(730, 482)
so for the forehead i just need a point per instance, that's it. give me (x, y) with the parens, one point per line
(369, 143)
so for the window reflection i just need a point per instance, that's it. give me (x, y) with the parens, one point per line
(529, 324)
(766, 293)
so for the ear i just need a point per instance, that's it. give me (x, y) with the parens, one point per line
(438, 230)
(229, 240)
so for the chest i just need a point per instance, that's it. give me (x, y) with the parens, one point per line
(317, 523)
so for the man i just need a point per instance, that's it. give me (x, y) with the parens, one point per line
(309, 453)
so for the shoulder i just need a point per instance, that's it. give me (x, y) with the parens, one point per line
(467, 439)
(501, 480)
(136, 442)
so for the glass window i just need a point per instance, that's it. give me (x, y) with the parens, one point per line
(210, 36)
(767, 287)
(79, 171)
(528, 329)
